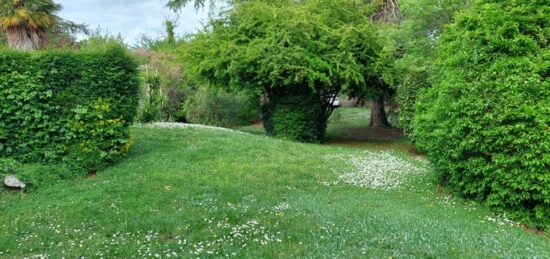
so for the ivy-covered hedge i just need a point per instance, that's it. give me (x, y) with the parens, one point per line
(67, 105)
(486, 121)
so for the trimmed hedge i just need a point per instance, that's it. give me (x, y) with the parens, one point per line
(485, 123)
(66, 105)
(295, 114)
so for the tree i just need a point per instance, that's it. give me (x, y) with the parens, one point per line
(29, 24)
(27, 21)
(170, 25)
(297, 55)
(388, 12)
(179, 4)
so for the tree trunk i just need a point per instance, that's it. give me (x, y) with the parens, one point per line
(23, 40)
(378, 118)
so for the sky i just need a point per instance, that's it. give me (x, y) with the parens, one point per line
(130, 18)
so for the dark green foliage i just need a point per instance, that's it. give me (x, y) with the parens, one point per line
(222, 108)
(485, 123)
(298, 115)
(268, 47)
(9, 166)
(414, 41)
(66, 105)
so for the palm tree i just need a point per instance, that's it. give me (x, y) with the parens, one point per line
(26, 22)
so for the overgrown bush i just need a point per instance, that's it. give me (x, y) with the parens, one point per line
(222, 108)
(65, 105)
(485, 122)
(162, 88)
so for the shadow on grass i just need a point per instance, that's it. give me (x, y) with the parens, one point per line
(341, 133)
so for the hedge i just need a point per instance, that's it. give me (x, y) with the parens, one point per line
(295, 114)
(67, 106)
(485, 122)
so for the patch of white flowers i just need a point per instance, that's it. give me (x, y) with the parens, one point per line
(502, 220)
(175, 125)
(380, 170)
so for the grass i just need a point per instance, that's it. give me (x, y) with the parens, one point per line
(348, 126)
(196, 192)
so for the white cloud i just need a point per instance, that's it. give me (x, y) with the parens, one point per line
(130, 18)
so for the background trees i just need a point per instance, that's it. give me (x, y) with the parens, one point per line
(414, 42)
(298, 56)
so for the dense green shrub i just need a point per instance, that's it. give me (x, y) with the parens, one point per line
(222, 108)
(414, 40)
(60, 105)
(485, 122)
(297, 115)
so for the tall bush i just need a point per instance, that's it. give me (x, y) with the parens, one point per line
(295, 114)
(415, 41)
(279, 48)
(485, 122)
(63, 105)
(221, 108)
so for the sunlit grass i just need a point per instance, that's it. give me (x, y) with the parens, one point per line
(199, 192)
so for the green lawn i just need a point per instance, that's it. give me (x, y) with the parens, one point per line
(348, 126)
(195, 192)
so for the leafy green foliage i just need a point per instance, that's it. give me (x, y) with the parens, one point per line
(295, 116)
(414, 40)
(270, 46)
(9, 166)
(62, 105)
(151, 110)
(485, 123)
(222, 108)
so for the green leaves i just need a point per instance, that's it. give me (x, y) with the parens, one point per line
(274, 45)
(281, 47)
(58, 104)
(485, 121)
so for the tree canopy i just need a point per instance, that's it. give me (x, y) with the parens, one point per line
(271, 45)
